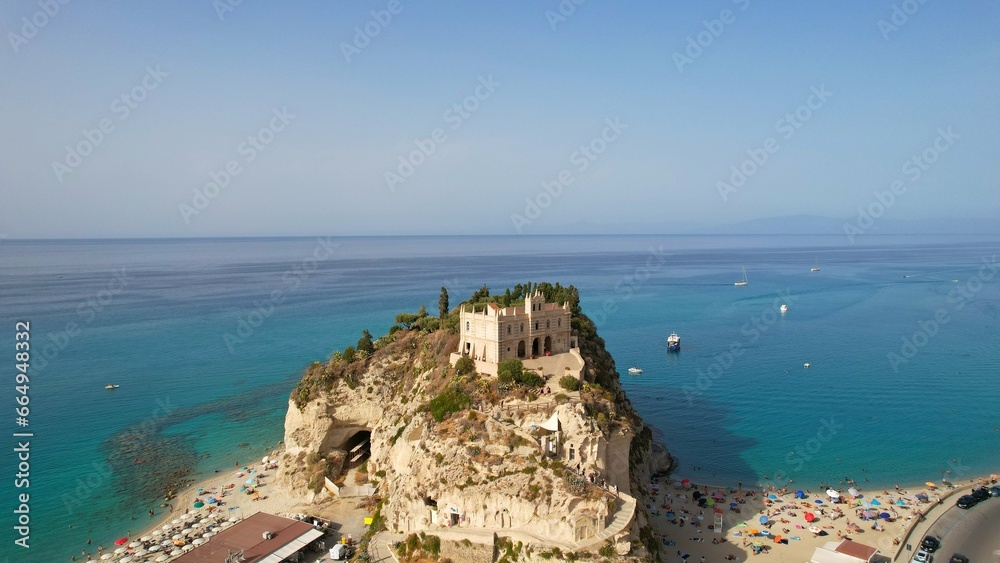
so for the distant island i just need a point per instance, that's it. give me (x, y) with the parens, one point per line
(496, 426)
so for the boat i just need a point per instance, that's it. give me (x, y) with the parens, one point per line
(807, 364)
(635, 370)
(673, 342)
(111, 386)
(743, 281)
(814, 269)
(784, 308)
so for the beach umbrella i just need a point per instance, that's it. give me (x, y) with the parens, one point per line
(153, 548)
(710, 502)
(161, 559)
(772, 497)
(885, 516)
(876, 502)
(106, 556)
(126, 559)
(718, 511)
(187, 547)
(121, 541)
(854, 492)
(810, 516)
(733, 504)
(177, 521)
(900, 502)
(199, 504)
(930, 484)
(134, 544)
(765, 533)
(685, 483)
(671, 515)
(866, 505)
(815, 529)
(921, 496)
(832, 493)
(753, 531)
(800, 494)
(185, 531)
(763, 519)
(867, 514)
(146, 538)
(121, 550)
(140, 552)
(176, 552)
(818, 501)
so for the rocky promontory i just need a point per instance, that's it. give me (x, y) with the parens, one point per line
(545, 458)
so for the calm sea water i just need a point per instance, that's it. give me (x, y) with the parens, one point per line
(207, 337)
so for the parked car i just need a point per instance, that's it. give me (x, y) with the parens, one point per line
(341, 552)
(921, 556)
(966, 502)
(995, 491)
(959, 558)
(930, 544)
(981, 494)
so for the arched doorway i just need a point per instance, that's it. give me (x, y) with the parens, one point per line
(520, 349)
(548, 344)
(534, 347)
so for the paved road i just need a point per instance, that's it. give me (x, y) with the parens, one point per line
(974, 533)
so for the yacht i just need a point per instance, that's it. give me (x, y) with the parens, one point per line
(743, 281)
(814, 269)
(784, 308)
(634, 370)
(673, 342)
(111, 386)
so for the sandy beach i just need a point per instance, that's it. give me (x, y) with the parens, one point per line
(782, 525)
(233, 505)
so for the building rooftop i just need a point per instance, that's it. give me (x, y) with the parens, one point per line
(287, 537)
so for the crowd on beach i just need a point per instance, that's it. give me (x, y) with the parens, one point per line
(726, 522)
(209, 513)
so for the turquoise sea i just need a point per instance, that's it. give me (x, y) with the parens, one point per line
(207, 337)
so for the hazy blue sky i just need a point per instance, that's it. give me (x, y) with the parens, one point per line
(198, 85)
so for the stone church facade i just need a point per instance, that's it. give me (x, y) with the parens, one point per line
(534, 329)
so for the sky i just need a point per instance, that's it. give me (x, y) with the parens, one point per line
(228, 118)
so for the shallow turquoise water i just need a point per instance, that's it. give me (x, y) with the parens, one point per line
(187, 400)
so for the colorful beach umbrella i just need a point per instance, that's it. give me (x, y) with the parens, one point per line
(832, 493)
(199, 504)
(753, 531)
(930, 484)
(818, 501)
(854, 492)
(121, 541)
(733, 504)
(876, 502)
(800, 494)
(763, 519)
(885, 516)
(810, 516)
(772, 497)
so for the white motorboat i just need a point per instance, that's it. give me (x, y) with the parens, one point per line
(635, 370)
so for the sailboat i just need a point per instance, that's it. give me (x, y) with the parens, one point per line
(743, 281)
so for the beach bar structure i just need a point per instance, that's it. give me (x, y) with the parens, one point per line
(846, 551)
(261, 538)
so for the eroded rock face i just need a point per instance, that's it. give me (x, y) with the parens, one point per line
(490, 468)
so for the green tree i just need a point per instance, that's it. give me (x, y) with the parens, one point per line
(422, 312)
(406, 319)
(348, 355)
(443, 302)
(465, 365)
(365, 343)
(510, 371)
(569, 383)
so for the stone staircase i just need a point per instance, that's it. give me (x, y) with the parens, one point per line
(622, 520)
